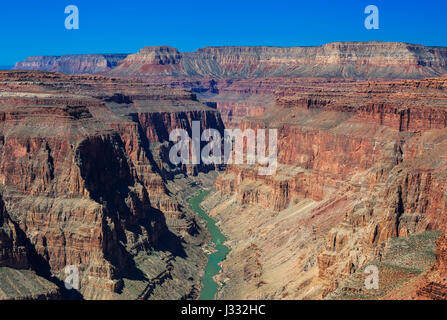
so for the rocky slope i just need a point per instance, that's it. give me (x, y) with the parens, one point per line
(360, 60)
(72, 64)
(83, 175)
(403, 261)
(26, 285)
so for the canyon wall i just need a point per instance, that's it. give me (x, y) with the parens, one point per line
(82, 167)
(359, 164)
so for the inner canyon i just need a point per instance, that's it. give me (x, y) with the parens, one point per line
(361, 180)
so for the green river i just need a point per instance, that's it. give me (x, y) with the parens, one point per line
(210, 287)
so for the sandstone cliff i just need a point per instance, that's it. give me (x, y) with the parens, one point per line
(363, 60)
(83, 63)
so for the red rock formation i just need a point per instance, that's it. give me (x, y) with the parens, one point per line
(80, 174)
(13, 251)
(359, 162)
(371, 152)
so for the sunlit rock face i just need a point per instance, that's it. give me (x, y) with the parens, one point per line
(73, 64)
(360, 163)
(359, 60)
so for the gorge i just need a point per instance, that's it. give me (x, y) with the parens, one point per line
(86, 178)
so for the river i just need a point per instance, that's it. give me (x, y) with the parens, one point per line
(212, 268)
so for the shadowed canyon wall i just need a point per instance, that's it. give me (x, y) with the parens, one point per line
(83, 63)
(84, 183)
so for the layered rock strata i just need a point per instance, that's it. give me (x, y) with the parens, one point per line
(360, 163)
(73, 64)
(363, 60)
(83, 167)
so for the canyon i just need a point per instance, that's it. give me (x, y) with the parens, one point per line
(83, 172)
(357, 60)
(361, 163)
(361, 180)
(72, 64)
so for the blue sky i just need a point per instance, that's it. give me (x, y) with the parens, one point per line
(30, 27)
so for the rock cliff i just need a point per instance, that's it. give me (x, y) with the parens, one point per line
(361, 60)
(83, 184)
(73, 64)
(360, 163)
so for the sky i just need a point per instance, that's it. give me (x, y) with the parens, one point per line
(30, 27)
